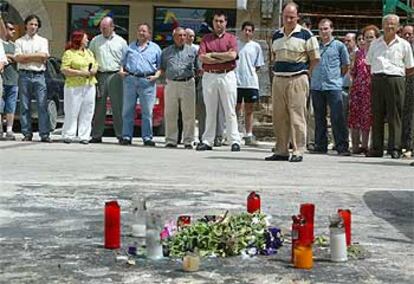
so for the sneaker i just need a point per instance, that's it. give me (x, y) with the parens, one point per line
(95, 140)
(170, 145)
(46, 139)
(235, 147)
(67, 140)
(203, 147)
(250, 141)
(10, 136)
(149, 143)
(27, 138)
(84, 142)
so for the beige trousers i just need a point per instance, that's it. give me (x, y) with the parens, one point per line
(289, 113)
(179, 94)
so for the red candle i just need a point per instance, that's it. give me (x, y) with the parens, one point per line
(253, 203)
(346, 216)
(112, 225)
(307, 210)
(183, 220)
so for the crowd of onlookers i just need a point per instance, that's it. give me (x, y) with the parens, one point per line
(359, 83)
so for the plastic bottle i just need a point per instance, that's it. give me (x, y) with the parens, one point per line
(139, 213)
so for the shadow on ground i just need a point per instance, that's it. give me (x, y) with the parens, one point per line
(395, 207)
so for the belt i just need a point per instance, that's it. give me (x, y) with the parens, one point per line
(108, 72)
(183, 79)
(291, 76)
(140, 75)
(383, 75)
(31, 71)
(219, 71)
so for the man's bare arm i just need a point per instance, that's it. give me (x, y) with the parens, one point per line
(2, 29)
(409, 72)
(344, 69)
(312, 65)
(39, 57)
(207, 59)
(225, 56)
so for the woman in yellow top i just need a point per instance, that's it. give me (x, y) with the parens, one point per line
(80, 67)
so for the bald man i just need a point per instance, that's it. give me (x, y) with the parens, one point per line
(295, 53)
(108, 48)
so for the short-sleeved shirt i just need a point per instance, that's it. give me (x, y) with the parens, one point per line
(327, 74)
(108, 51)
(29, 45)
(142, 60)
(10, 75)
(78, 60)
(293, 52)
(179, 62)
(250, 57)
(391, 59)
(214, 43)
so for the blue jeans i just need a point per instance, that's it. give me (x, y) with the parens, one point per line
(33, 84)
(9, 99)
(143, 89)
(320, 101)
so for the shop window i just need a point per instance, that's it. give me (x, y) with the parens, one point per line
(198, 19)
(87, 17)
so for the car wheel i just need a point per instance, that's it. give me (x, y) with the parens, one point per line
(53, 114)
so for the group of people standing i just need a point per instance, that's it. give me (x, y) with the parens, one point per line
(377, 76)
(370, 73)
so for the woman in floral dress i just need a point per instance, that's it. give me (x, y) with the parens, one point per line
(360, 116)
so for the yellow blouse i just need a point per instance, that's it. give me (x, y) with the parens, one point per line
(78, 60)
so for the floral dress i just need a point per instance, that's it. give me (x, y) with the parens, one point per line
(360, 115)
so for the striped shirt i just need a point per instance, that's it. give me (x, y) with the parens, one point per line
(294, 51)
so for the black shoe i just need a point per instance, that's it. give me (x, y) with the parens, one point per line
(203, 147)
(149, 143)
(373, 154)
(188, 146)
(125, 141)
(295, 159)
(395, 154)
(217, 142)
(275, 157)
(95, 140)
(235, 147)
(170, 145)
(318, 151)
(46, 139)
(412, 164)
(344, 153)
(27, 138)
(67, 140)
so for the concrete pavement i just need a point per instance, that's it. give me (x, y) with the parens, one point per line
(52, 198)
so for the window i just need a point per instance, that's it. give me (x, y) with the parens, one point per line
(166, 19)
(88, 17)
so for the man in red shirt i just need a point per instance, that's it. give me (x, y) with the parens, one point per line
(218, 52)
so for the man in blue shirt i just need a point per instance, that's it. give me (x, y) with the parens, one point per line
(326, 89)
(140, 68)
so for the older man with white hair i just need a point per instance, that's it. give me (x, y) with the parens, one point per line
(391, 60)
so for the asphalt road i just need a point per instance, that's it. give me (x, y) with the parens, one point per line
(52, 198)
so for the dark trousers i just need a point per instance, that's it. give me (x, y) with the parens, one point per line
(320, 101)
(109, 84)
(387, 102)
(408, 115)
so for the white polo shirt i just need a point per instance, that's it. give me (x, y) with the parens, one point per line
(28, 45)
(391, 59)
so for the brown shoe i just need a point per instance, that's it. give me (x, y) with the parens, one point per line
(373, 154)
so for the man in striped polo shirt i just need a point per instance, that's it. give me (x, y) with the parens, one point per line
(295, 53)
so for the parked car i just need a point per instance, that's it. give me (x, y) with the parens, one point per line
(55, 82)
(157, 116)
